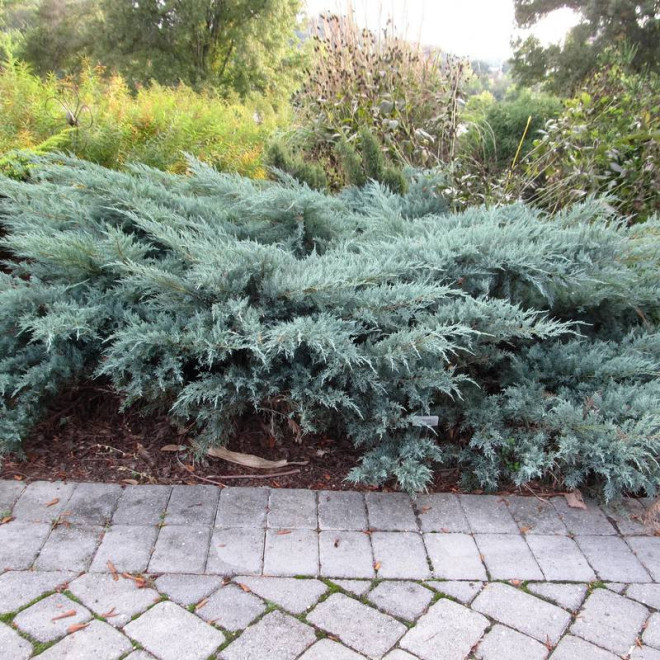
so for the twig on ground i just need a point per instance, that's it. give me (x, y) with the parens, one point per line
(538, 497)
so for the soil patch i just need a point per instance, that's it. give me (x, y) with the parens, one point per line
(85, 437)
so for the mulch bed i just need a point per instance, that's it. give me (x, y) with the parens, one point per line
(85, 437)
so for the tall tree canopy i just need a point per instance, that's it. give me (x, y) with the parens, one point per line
(242, 44)
(634, 24)
(237, 45)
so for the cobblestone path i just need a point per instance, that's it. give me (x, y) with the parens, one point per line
(101, 572)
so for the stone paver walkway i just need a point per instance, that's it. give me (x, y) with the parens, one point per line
(93, 571)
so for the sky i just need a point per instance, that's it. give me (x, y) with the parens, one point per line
(481, 29)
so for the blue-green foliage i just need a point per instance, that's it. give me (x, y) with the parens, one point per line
(534, 339)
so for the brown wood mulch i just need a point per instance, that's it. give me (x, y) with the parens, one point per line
(85, 437)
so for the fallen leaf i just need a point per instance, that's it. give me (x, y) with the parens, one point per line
(226, 580)
(282, 532)
(327, 477)
(425, 509)
(336, 543)
(113, 570)
(377, 565)
(140, 582)
(130, 482)
(76, 627)
(249, 460)
(53, 502)
(244, 587)
(515, 583)
(18, 477)
(173, 448)
(525, 529)
(6, 519)
(64, 615)
(201, 604)
(109, 613)
(575, 500)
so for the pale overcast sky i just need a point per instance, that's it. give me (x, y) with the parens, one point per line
(478, 28)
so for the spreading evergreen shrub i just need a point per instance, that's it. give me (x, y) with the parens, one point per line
(535, 340)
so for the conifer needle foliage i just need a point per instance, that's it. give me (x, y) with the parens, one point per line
(534, 339)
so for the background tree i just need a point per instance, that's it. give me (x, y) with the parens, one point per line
(240, 44)
(58, 34)
(634, 24)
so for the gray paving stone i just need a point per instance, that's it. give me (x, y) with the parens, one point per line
(181, 549)
(292, 553)
(292, 508)
(649, 594)
(610, 621)
(440, 512)
(142, 505)
(406, 600)
(187, 589)
(647, 550)
(454, 557)
(651, 635)
(535, 517)
(20, 543)
(92, 504)
(42, 501)
(390, 512)
(102, 594)
(612, 559)
(569, 596)
(446, 632)
(400, 555)
(13, 646)
(242, 507)
(488, 514)
(507, 557)
(560, 558)
(363, 628)
(590, 521)
(355, 587)
(616, 587)
(192, 505)
(128, 547)
(526, 614)
(235, 551)
(462, 590)
(502, 642)
(398, 654)
(326, 649)
(292, 594)
(346, 555)
(140, 655)
(342, 510)
(37, 620)
(231, 608)
(172, 633)
(18, 588)
(98, 640)
(69, 548)
(644, 653)
(277, 636)
(628, 516)
(574, 648)
(9, 493)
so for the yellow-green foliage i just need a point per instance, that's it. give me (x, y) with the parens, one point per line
(96, 117)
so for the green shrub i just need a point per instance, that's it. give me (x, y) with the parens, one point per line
(534, 339)
(607, 141)
(95, 117)
(496, 136)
